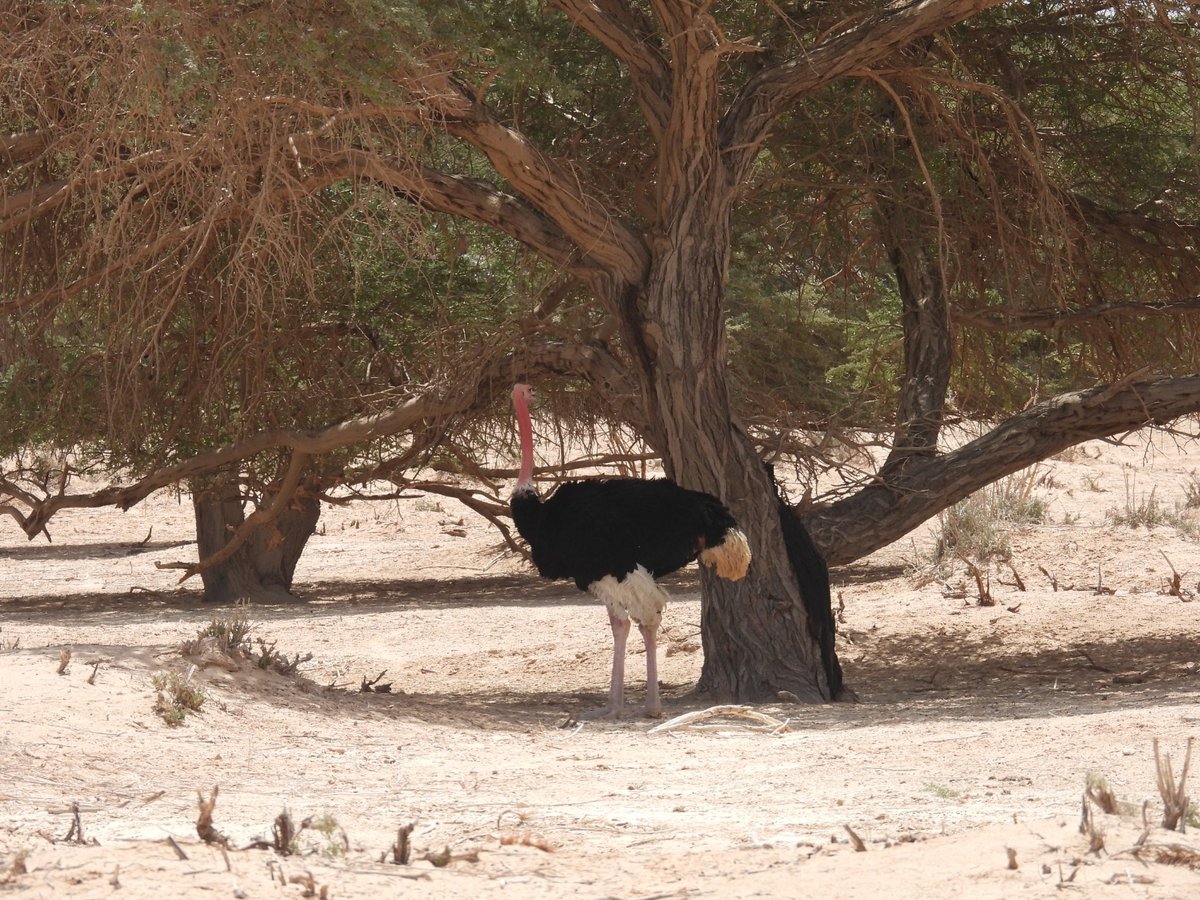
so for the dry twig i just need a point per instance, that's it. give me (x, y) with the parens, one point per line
(402, 848)
(527, 839)
(204, 822)
(855, 840)
(1175, 586)
(75, 833)
(283, 834)
(373, 686)
(1175, 801)
(1053, 580)
(985, 595)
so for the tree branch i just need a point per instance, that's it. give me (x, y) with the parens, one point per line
(882, 512)
(614, 26)
(558, 194)
(23, 146)
(587, 361)
(772, 91)
(471, 198)
(261, 516)
(1021, 320)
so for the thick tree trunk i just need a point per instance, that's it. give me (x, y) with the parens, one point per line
(760, 634)
(261, 570)
(772, 630)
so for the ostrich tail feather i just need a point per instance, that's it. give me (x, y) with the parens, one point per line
(731, 557)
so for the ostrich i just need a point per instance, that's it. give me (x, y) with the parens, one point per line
(613, 537)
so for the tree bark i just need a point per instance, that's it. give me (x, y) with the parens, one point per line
(263, 568)
(757, 633)
(910, 235)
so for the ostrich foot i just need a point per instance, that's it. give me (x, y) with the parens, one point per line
(651, 709)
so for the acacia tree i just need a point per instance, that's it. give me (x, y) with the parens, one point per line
(626, 172)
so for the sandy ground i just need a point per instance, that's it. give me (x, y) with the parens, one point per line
(975, 734)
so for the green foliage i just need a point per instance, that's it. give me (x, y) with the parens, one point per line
(177, 697)
(942, 792)
(1191, 491)
(335, 842)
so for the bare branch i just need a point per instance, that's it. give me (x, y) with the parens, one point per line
(22, 147)
(1020, 320)
(590, 362)
(488, 507)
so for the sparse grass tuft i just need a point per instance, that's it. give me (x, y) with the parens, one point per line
(1142, 509)
(979, 526)
(969, 529)
(1191, 491)
(230, 634)
(942, 791)
(336, 842)
(177, 696)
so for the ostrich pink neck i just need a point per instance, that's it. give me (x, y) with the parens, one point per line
(525, 429)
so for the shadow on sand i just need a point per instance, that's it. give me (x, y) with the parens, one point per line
(898, 678)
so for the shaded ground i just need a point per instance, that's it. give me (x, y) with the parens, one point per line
(976, 732)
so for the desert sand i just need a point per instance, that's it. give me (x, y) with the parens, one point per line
(961, 770)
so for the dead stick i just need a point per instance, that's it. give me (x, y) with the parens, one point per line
(859, 846)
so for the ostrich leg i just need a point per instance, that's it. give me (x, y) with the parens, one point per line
(650, 638)
(616, 689)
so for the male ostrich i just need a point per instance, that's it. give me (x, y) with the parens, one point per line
(613, 537)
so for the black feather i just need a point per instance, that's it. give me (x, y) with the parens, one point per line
(812, 574)
(586, 530)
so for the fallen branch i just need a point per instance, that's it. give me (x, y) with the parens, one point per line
(691, 721)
